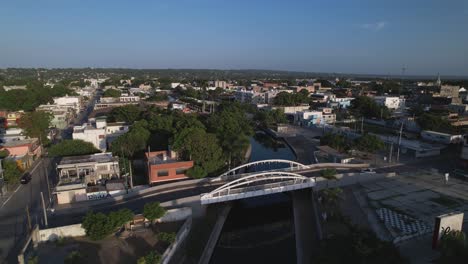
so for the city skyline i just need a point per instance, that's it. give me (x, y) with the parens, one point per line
(343, 37)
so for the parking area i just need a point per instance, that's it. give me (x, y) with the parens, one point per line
(408, 203)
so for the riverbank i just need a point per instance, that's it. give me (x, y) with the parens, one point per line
(302, 147)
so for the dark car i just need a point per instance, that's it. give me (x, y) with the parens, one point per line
(26, 178)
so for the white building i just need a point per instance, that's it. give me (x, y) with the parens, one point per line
(73, 102)
(174, 85)
(443, 138)
(254, 97)
(220, 84)
(391, 102)
(99, 132)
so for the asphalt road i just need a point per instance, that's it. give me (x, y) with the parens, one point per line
(13, 219)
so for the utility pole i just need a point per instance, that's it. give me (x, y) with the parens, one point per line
(44, 209)
(131, 174)
(399, 142)
(391, 153)
(46, 175)
(362, 125)
(29, 218)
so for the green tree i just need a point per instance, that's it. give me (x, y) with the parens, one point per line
(328, 174)
(201, 147)
(136, 139)
(167, 237)
(153, 211)
(434, 122)
(75, 257)
(369, 143)
(36, 124)
(152, 258)
(335, 141)
(368, 108)
(95, 225)
(268, 118)
(73, 147)
(112, 93)
(127, 113)
(11, 172)
(98, 225)
(232, 129)
(453, 248)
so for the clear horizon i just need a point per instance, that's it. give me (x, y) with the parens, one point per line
(347, 37)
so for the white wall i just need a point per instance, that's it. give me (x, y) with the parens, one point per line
(52, 234)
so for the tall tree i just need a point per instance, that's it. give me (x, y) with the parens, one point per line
(201, 147)
(36, 124)
(72, 148)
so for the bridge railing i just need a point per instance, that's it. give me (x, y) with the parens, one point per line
(257, 187)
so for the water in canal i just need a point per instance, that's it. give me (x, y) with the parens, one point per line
(260, 229)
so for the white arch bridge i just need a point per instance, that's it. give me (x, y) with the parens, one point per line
(270, 179)
(258, 184)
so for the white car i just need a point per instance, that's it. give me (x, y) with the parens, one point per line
(368, 170)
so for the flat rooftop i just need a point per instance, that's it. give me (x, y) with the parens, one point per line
(98, 158)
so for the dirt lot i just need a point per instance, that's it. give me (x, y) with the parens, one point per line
(124, 249)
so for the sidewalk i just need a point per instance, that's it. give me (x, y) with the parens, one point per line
(134, 194)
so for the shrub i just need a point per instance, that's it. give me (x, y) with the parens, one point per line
(328, 174)
(152, 258)
(167, 237)
(74, 257)
(153, 211)
(98, 225)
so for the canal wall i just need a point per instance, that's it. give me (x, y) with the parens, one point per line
(214, 236)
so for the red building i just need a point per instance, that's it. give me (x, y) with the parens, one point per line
(166, 166)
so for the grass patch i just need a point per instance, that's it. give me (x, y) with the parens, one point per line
(445, 201)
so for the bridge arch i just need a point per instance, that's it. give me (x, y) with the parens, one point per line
(275, 181)
(292, 164)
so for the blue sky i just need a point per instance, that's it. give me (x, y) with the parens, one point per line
(373, 36)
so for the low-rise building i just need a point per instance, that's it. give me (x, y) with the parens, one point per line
(166, 166)
(92, 169)
(391, 102)
(14, 87)
(86, 177)
(340, 102)
(99, 132)
(73, 102)
(24, 152)
(443, 138)
(450, 91)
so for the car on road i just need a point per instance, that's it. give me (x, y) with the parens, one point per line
(26, 178)
(368, 170)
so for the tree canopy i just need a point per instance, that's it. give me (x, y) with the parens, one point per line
(127, 113)
(72, 147)
(369, 143)
(36, 124)
(11, 172)
(112, 93)
(201, 147)
(134, 140)
(153, 211)
(98, 225)
(434, 122)
(35, 95)
(292, 99)
(366, 107)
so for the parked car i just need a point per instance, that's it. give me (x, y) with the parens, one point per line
(26, 178)
(368, 170)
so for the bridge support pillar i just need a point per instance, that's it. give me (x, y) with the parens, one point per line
(306, 224)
